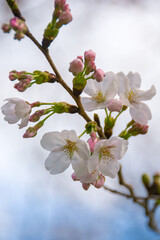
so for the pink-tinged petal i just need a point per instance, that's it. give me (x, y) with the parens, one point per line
(140, 113)
(109, 167)
(52, 140)
(11, 119)
(79, 165)
(8, 108)
(89, 177)
(90, 104)
(93, 162)
(24, 122)
(22, 108)
(110, 85)
(146, 95)
(134, 80)
(57, 162)
(69, 135)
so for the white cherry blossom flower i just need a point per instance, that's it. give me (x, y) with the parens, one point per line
(131, 96)
(106, 155)
(66, 148)
(16, 109)
(101, 92)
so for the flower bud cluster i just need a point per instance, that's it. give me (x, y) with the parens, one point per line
(26, 79)
(18, 25)
(61, 16)
(81, 68)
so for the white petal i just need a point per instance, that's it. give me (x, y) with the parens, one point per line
(89, 177)
(109, 168)
(140, 113)
(93, 162)
(57, 162)
(83, 149)
(134, 80)
(22, 108)
(124, 100)
(11, 119)
(123, 85)
(90, 104)
(110, 85)
(92, 87)
(79, 165)
(146, 95)
(69, 135)
(8, 108)
(24, 122)
(52, 140)
(120, 148)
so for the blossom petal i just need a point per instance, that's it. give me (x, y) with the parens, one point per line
(24, 122)
(79, 165)
(93, 162)
(69, 135)
(8, 108)
(120, 147)
(90, 104)
(11, 119)
(109, 168)
(83, 149)
(22, 108)
(146, 95)
(92, 87)
(140, 113)
(89, 177)
(134, 80)
(123, 85)
(52, 140)
(57, 162)
(110, 85)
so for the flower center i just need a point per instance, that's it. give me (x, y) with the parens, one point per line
(106, 155)
(132, 96)
(98, 96)
(69, 148)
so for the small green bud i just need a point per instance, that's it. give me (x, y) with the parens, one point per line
(91, 127)
(146, 180)
(79, 84)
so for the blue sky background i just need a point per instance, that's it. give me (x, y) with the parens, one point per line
(35, 205)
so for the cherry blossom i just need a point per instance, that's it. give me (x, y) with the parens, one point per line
(66, 148)
(106, 155)
(131, 96)
(101, 92)
(16, 109)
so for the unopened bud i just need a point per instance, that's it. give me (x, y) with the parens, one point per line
(79, 84)
(6, 28)
(65, 18)
(91, 66)
(138, 129)
(59, 3)
(76, 66)
(92, 141)
(13, 75)
(99, 75)
(19, 35)
(91, 127)
(36, 116)
(30, 132)
(23, 84)
(89, 56)
(146, 180)
(99, 182)
(86, 186)
(18, 25)
(74, 177)
(114, 105)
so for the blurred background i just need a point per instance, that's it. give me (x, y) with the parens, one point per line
(125, 34)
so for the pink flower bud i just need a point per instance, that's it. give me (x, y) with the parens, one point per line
(23, 85)
(18, 25)
(64, 19)
(13, 75)
(19, 35)
(80, 57)
(6, 28)
(89, 55)
(86, 186)
(66, 7)
(35, 104)
(91, 66)
(36, 116)
(76, 66)
(59, 3)
(99, 182)
(74, 177)
(115, 105)
(14, 22)
(99, 75)
(138, 128)
(92, 141)
(30, 132)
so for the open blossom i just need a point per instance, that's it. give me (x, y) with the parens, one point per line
(131, 96)
(106, 155)
(101, 92)
(16, 109)
(66, 148)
